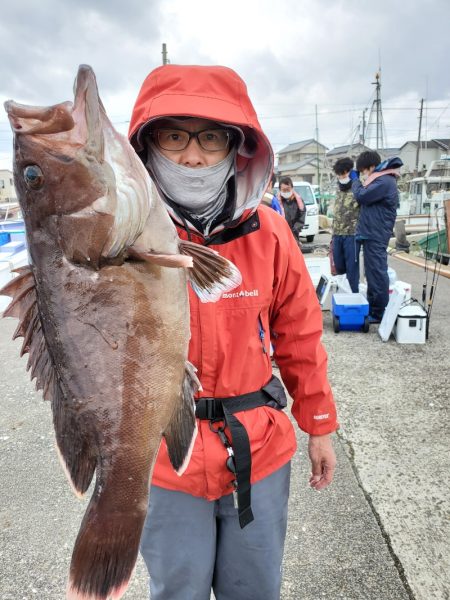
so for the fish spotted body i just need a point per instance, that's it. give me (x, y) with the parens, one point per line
(105, 320)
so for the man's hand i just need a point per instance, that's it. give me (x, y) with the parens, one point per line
(323, 461)
(353, 174)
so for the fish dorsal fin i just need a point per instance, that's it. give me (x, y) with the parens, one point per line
(73, 448)
(24, 307)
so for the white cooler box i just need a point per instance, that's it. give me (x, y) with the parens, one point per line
(317, 266)
(402, 285)
(411, 325)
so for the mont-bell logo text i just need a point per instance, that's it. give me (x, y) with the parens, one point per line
(242, 294)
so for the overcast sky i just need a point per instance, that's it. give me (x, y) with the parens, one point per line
(293, 55)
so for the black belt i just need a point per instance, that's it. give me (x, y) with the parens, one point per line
(223, 409)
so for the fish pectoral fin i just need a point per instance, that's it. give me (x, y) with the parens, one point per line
(72, 447)
(211, 274)
(163, 260)
(182, 430)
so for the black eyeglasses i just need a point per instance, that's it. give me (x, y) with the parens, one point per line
(176, 140)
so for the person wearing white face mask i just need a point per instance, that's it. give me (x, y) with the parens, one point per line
(221, 525)
(345, 248)
(293, 207)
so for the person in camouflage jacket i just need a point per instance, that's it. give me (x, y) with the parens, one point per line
(346, 212)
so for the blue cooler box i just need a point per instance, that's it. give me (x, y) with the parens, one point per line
(350, 313)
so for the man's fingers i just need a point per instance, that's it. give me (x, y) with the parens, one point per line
(314, 480)
(321, 481)
(323, 461)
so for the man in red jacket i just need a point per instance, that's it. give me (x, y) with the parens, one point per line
(222, 524)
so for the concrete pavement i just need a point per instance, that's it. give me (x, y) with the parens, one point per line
(380, 532)
(394, 407)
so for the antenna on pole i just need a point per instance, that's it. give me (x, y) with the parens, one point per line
(377, 83)
(165, 60)
(376, 120)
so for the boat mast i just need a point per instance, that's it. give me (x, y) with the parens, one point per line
(416, 170)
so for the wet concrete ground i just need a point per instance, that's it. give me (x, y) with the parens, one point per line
(380, 532)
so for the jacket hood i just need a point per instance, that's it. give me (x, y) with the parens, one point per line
(391, 166)
(215, 93)
(391, 163)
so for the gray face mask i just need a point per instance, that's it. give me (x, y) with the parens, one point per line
(201, 191)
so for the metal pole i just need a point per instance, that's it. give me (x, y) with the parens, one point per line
(165, 60)
(364, 127)
(416, 170)
(377, 77)
(317, 149)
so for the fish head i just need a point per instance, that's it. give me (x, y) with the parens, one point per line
(79, 182)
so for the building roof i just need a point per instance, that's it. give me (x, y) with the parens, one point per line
(299, 146)
(440, 144)
(345, 149)
(389, 152)
(297, 165)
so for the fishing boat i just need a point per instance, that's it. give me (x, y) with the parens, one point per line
(422, 207)
(13, 250)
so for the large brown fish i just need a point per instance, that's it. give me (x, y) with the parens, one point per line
(105, 320)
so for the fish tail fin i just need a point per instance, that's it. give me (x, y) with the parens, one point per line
(211, 274)
(182, 430)
(105, 553)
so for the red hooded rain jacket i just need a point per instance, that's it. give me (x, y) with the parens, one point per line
(227, 347)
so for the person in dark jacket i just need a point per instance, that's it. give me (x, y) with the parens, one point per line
(345, 217)
(377, 196)
(293, 207)
(270, 199)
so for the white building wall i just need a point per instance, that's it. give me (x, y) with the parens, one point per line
(7, 190)
(408, 156)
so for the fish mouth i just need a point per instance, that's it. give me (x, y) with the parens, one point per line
(88, 111)
(85, 81)
(39, 119)
(83, 117)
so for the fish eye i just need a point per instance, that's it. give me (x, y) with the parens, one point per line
(34, 177)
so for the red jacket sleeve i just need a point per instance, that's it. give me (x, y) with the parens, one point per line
(296, 328)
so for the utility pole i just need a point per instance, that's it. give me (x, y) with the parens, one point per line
(165, 60)
(416, 170)
(378, 109)
(317, 149)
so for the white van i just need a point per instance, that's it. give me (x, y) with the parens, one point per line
(306, 193)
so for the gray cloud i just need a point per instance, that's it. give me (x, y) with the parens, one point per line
(293, 54)
(42, 45)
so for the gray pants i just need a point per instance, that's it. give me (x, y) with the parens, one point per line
(191, 545)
